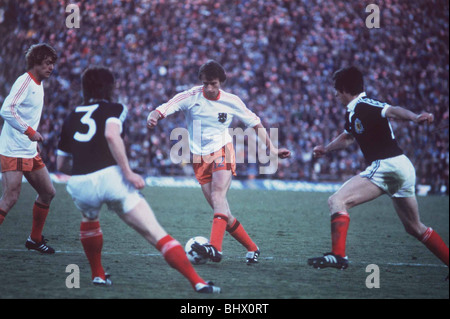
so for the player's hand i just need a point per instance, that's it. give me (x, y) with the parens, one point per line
(152, 119)
(37, 137)
(319, 151)
(136, 180)
(284, 153)
(424, 118)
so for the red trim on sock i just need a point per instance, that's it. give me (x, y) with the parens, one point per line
(175, 256)
(238, 232)
(435, 244)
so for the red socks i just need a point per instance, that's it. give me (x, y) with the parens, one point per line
(91, 237)
(238, 232)
(175, 256)
(40, 212)
(339, 227)
(435, 244)
(219, 226)
(92, 240)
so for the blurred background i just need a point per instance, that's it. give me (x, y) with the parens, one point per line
(279, 57)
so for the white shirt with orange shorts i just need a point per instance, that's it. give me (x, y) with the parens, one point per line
(21, 109)
(208, 122)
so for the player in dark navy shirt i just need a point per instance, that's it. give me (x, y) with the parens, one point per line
(83, 135)
(389, 171)
(92, 150)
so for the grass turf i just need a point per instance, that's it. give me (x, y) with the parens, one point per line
(289, 227)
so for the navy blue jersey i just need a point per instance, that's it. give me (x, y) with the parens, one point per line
(366, 121)
(83, 136)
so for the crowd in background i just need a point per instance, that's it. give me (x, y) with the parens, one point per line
(279, 56)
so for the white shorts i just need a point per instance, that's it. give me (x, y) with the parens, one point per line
(395, 175)
(107, 186)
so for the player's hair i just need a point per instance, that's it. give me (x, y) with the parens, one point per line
(97, 83)
(212, 70)
(349, 80)
(38, 53)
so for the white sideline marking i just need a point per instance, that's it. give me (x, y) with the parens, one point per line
(238, 257)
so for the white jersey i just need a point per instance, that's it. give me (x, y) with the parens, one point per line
(21, 108)
(208, 120)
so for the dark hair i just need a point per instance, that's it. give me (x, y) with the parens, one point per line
(349, 80)
(38, 53)
(98, 83)
(212, 70)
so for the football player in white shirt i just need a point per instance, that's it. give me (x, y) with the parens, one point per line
(19, 149)
(210, 110)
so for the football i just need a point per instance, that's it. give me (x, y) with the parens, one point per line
(193, 257)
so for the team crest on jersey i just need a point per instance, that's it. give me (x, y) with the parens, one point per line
(359, 128)
(222, 117)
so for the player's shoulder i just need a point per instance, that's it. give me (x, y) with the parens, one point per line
(188, 93)
(366, 101)
(235, 99)
(195, 90)
(22, 79)
(115, 109)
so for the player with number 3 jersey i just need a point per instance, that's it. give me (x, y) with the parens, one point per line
(92, 150)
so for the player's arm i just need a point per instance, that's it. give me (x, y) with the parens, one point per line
(400, 113)
(175, 104)
(117, 148)
(262, 134)
(340, 142)
(153, 118)
(64, 162)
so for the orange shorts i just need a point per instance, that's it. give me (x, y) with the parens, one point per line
(21, 164)
(205, 165)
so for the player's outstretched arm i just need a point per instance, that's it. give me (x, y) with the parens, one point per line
(340, 142)
(262, 134)
(400, 113)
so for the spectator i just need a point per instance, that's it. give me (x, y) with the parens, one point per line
(279, 55)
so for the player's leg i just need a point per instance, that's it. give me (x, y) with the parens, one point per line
(143, 220)
(11, 184)
(220, 186)
(40, 180)
(221, 181)
(354, 192)
(408, 211)
(91, 237)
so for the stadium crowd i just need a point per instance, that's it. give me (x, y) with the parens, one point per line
(279, 56)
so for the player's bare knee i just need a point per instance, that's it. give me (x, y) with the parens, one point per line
(48, 195)
(10, 198)
(335, 203)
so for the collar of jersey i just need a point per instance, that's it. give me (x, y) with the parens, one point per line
(216, 99)
(352, 104)
(34, 79)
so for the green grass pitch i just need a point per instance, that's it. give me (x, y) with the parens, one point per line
(289, 227)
